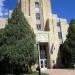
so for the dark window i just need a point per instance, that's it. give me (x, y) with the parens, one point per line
(41, 64)
(36, 4)
(58, 24)
(53, 61)
(60, 35)
(46, 63)
(43, 53)
(38, 16)
(38, 26)
(52, 48)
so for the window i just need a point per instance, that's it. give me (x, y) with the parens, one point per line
(53, 61)
(43, 52)
(37, 15)
(60, 35)
(36, 4)
(38, 26)
(58, 24)
(46, 63)
(41, 64)
(52, 48)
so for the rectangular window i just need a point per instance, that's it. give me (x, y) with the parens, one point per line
(36, 4)
(37, 16)
(38, 26)
(60, 35)
(58, 24)
(41, 64)
(46, 63)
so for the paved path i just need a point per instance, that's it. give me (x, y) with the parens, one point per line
(61, 72)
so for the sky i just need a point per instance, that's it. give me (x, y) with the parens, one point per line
(63, 8)
(5, 5)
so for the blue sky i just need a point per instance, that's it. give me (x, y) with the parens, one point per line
(5, 5)
(64, 8)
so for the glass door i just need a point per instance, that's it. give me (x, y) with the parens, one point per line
(43, 63)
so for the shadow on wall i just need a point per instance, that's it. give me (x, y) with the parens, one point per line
(47, 28)
(59, 64)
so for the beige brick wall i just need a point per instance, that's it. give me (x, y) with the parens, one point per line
(56, 40)
(25, 10)
(49, 21)
(3, 22)
(45, 12)
(64, 28)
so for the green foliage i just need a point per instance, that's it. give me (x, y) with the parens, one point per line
(68, 49)
(34, 73)
(17, 41)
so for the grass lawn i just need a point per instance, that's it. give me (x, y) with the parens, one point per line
(34, 73)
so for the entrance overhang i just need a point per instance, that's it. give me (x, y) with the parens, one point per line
(42, 36)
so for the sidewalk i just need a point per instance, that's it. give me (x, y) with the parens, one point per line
(61, 72)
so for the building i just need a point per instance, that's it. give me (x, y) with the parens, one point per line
(3, 22)
(50, 30)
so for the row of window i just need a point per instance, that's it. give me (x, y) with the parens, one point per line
(59, 33)
(37, 7)
(38, 25)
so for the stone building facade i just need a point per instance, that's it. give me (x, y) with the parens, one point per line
(50, 30)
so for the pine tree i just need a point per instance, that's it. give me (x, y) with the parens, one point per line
(68, 50)
(18, 41)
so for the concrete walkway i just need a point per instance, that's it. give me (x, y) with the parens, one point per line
(61, 72)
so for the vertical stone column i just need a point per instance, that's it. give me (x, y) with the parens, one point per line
(48, 57)
(49, 50)
(39, 55)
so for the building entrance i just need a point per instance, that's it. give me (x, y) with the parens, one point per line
(43, 56)
(43, 63)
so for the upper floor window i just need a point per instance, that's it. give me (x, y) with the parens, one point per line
(58, 24)
(37, 4)
(38, 26)
(60, 35)
(37, 15)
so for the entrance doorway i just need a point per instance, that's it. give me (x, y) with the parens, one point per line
(43, 63)
(43, 56)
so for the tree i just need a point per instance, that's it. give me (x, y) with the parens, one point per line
(17, 43)
(68, 48)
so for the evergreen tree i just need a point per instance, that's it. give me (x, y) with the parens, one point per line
(17, 43)
(68, 49)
